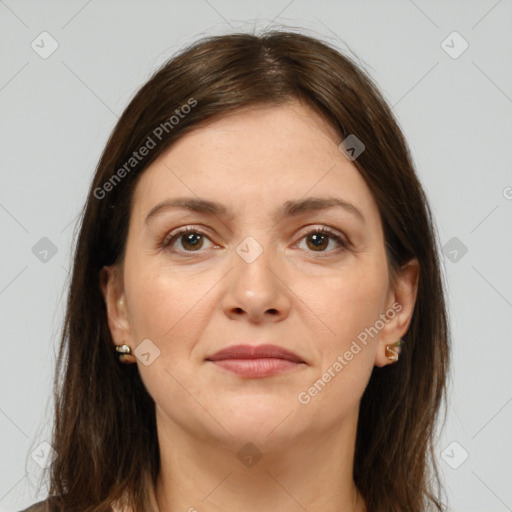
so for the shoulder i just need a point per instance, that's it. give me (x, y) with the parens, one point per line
(45, 506)
(41, 506)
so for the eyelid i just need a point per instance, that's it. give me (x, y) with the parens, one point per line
(322, 228)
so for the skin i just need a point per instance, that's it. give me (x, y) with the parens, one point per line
(312, 301)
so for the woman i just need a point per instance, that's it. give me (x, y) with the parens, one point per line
(256, 317)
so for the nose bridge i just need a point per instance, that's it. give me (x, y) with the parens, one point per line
(255, 258)
(256, 285)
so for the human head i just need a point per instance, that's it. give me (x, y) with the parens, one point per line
(215, 78)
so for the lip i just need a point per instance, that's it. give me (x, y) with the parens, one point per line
(256, 361)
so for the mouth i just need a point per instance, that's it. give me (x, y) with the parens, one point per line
(252, 361)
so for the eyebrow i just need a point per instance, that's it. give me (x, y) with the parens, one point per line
(288, 209)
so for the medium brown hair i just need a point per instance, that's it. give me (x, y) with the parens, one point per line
(104, 427)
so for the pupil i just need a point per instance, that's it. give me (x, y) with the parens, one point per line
(190, 239)
(318, 240)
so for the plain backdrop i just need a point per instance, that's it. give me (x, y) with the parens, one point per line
(68, 69)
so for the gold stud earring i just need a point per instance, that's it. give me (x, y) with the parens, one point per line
(125, 354)
(392, 352)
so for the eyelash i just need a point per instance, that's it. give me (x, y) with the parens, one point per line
(169, 239)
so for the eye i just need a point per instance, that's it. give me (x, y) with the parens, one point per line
(318, 239)
(192, 240)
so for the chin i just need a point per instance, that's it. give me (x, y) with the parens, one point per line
(268, 424)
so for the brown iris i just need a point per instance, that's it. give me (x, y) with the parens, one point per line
(320, 241)
(195, 241)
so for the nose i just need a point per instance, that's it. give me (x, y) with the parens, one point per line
(256, 288)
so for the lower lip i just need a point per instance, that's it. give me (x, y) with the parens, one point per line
(256, 368)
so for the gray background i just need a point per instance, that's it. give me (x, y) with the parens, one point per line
(455, 109)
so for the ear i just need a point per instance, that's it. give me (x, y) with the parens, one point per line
(112, 289)
(401, 302)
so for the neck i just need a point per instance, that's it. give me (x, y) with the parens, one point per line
(313, 472)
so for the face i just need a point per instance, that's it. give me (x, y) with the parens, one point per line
(266, 267)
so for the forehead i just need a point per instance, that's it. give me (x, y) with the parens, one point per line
(263, 154)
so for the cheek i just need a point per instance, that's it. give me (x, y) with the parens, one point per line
(160, 303)
(344, 357)
(347, 302)
(170, 306)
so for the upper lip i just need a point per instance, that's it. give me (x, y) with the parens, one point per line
(254, 352)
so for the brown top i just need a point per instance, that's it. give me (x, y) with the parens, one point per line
(118, 506)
